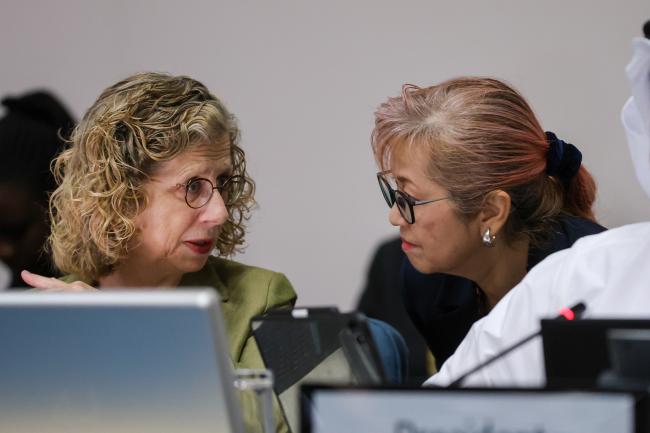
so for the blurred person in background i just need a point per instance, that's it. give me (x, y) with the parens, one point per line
(31, 135)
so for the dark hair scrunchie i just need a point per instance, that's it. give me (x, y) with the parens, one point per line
(562, 159)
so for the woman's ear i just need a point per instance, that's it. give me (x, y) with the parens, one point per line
(496, 209)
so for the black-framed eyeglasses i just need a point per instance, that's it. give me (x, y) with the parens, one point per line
(405, 202)
(198, 191)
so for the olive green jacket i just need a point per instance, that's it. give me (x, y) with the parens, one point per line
(245, 291)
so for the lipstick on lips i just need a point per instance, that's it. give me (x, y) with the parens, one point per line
(406, 246)
(200, 246)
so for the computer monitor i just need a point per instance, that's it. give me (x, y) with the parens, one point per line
(146, 362)
(576, 352)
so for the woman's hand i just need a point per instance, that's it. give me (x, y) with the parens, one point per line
(47, 284)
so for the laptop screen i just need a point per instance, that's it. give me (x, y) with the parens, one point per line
(120, 362)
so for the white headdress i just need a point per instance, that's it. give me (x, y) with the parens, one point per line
(636, 111)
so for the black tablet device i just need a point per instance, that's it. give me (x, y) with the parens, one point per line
(315, 345)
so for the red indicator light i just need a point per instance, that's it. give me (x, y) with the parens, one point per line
(567, 313)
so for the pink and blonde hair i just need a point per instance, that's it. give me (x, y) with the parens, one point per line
(481, 135)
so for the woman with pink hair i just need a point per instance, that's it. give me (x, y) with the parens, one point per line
(480, 194)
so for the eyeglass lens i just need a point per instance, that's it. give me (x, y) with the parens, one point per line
(199, 191)
(404, 208)
(386, 191)
(393, 196)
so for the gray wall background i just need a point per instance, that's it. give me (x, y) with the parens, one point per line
(304, 78)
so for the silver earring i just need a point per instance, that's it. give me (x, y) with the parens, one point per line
(488, 238)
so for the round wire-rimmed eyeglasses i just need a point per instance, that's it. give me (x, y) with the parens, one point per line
(405, 202)
(199, 190)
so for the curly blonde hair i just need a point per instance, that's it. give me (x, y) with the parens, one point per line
(134, 125)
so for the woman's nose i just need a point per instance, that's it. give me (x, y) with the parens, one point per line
(395, 217)
(215, 211)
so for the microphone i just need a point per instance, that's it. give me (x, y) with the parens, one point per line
(566, 313)
(646, 29)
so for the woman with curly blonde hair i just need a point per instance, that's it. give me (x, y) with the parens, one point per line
(152, 184)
